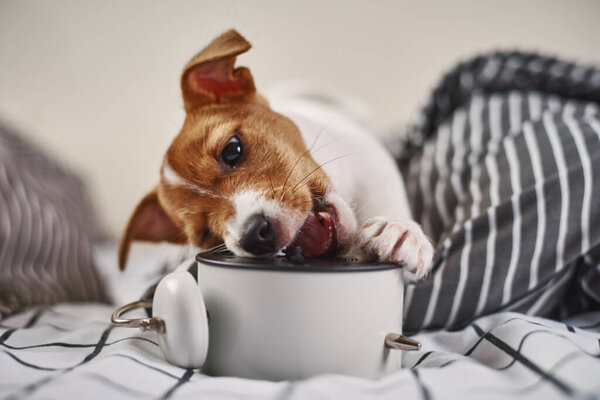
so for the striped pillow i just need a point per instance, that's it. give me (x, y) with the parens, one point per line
(46, 231)
(504, 172)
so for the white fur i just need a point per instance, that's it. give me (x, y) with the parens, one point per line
(346, 215)
(397, 241)
(368, 189)
(251, 202)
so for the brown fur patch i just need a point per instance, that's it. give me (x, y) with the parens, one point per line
(277, 161)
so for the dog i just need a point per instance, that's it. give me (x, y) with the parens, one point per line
(240, 174)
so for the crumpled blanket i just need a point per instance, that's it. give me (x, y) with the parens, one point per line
(72, 350)
(503, 172)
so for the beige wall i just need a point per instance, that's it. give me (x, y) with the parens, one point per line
(96, 82)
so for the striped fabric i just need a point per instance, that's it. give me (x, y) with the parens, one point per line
(72, 351)
(504, 169)
(46, 231)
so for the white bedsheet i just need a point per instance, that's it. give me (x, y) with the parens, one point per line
(72, 351)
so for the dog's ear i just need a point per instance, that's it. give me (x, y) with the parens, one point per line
(149, 222)
(210, 76)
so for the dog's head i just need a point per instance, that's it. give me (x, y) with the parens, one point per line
(238, 173)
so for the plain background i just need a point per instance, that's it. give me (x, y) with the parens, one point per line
(96, 83)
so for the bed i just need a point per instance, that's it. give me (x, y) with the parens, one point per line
(512, 307)
(71, 350)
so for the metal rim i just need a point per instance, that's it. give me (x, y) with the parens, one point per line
(279, 264)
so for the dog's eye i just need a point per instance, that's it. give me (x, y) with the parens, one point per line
(233, 153)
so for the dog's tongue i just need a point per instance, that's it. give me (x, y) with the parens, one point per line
(316, 235)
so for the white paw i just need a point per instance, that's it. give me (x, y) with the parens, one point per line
(397, 241)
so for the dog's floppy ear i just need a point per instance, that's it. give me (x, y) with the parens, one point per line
(210, 76)
(149, 222)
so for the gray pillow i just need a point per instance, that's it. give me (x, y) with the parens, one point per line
(46, 231)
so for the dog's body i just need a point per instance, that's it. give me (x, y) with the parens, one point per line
(241, 174)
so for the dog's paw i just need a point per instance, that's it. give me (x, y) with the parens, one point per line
(397, 241)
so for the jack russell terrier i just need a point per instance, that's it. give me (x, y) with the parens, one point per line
(240, 174)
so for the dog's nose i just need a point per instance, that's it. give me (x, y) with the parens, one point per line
(259, 235)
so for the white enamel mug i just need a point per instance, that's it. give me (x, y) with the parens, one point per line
(271, 319)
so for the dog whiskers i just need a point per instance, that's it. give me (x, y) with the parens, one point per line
(270, 183)
(312, 145)
(318, 168)
(314, 196)
(220, 248)
(290, 173)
